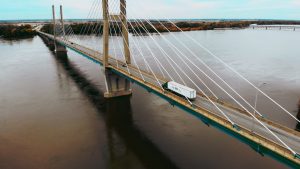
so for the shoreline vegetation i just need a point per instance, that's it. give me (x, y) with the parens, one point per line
(17, 31)
(13, 32)
(96, 28)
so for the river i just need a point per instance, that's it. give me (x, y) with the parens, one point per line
(53, 114)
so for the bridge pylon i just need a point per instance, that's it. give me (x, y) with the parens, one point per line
(58, 48)
(116, 85)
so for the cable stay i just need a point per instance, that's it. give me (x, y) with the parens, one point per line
(146, 62)
(249, 113)
(65, 33)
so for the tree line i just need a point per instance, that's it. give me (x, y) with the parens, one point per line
(16, 32)
(161, 26)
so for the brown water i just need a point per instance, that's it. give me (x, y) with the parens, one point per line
(53, 115)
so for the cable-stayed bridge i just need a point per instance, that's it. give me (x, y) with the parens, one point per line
(121, 66)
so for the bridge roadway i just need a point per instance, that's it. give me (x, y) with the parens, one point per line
(284, 27)
(260, 140)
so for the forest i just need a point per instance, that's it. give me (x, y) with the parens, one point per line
(161, 26)
(16, 32)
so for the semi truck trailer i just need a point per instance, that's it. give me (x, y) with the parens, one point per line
(180, 89)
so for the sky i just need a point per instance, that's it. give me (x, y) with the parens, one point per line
(174, 9)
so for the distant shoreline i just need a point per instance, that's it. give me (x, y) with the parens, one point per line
(15, 32)
(21, 29)
(165, 26)
(35, 21)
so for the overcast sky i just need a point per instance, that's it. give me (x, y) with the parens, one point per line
(203, 9)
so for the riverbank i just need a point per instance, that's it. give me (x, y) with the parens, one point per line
(21, 31)
(143, 27)
(8, 31)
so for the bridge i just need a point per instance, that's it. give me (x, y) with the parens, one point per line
(275, 27)
(237, 120)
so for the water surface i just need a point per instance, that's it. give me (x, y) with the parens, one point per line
(53, 115)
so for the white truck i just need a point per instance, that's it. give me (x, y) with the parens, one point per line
(180, 89)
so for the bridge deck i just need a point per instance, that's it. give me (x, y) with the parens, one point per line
(287, 27)
(260, 140)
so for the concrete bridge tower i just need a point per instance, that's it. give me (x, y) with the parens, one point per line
(115, 85)
(58, 48)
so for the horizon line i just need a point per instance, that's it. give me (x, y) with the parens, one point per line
(231, 19)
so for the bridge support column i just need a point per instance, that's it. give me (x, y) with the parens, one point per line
(116, 85)
(60, 48)
(54, 45)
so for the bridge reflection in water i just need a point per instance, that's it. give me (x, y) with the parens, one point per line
(120, 126)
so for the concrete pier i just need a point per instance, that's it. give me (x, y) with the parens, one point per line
(116, 85)
(60, 48)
